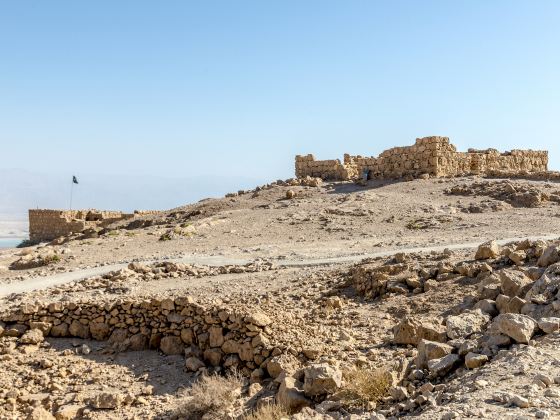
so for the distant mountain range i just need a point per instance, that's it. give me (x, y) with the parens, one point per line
(21, 190)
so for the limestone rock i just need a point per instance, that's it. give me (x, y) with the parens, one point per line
(519, 327)
(69, 412)
(193, 364)
(259, 319)
(514, 283)
(138, 342)
(60, 330)
(549, 256)
(77, 329)
(429, 350)
(440, 367)
(475, 360)
(487, 306)
(108, 399)
(465, 324)
(32, 337)
(283, 363)
(320, 379)
(549, 325)
(411, 330)
(291, 395)
(39, 413)
(99, 330)
(171, 345)
(487, 250)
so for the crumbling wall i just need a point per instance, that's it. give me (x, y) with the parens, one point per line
(434, 156)
(215, 335)
(405, 161)
(451, 163)
(332, 170)
(46, 225)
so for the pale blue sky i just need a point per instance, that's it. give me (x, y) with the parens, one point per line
(236, 88)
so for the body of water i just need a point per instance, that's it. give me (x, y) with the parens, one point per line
(10, 242)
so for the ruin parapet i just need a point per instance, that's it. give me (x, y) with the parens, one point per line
(434, 156)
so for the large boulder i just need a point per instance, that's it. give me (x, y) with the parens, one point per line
(514, 283)
(321, 379)
(465, 324)
(411, 330)
(487, 250)
(517, 326)
(429, 350)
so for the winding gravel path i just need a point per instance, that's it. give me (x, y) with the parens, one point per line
(62, 278)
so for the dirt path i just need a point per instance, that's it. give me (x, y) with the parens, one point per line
(39, 283)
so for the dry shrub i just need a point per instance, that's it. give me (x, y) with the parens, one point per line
(364, 386)
(211, 397)
(268, 412)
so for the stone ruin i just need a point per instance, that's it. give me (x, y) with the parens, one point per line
(46, 225)
(434, 156)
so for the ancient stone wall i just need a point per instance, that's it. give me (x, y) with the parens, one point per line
(332, 170)
(215, 335)
(434, 156)
(46, 225)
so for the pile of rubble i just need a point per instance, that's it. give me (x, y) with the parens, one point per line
(517, 300)
(515, 194)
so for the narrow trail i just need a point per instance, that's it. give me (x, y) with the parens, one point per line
(45, 282)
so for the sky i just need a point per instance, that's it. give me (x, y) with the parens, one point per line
(227, 89)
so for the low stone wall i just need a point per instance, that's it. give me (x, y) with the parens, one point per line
(434, 156)
(211, 334)
(46, 225)
(332, 170)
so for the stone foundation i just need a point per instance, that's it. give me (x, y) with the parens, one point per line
(434, 156)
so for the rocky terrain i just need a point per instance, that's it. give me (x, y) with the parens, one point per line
(299, 299)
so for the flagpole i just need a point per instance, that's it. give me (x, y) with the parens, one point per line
(71, 191)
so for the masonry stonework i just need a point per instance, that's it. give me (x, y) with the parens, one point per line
(46, 225)
(220, 335)
(434, 156)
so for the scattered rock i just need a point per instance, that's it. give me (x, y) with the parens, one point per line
(320, 379)
(519, 327)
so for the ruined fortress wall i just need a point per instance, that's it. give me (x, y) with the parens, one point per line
(434, 155)
(405, 161)
(46, 225)
(219, 335)
(332, 170)
(486, 161)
